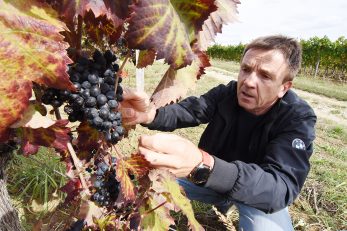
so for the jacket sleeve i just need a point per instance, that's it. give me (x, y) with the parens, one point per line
(189, 112)
(277, 181)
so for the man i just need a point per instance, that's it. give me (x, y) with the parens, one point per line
(255, 151)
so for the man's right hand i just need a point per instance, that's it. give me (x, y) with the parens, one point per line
(136, 108)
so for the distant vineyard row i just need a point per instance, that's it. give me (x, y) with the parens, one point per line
(321, 57)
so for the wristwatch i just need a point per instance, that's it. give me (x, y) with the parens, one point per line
(200, 174)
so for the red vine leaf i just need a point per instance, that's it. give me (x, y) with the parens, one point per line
(137, 165)
(226, 13)
(122, 175)
(55, 136)
(168, 27)
(146, 57)
(99, 28)
(32, 50)
(165, 183)
(72, 189)
(87, 140)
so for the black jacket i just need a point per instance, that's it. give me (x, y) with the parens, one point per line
(276, 174)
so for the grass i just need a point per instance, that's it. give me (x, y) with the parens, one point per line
(34, 183)
(314, 85)
(322, 204)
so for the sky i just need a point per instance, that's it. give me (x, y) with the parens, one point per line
(301, 19)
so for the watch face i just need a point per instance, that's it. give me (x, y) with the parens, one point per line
(201, 175)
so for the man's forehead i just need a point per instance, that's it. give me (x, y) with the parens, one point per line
(262, 56)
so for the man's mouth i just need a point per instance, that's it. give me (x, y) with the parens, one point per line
(247, 95)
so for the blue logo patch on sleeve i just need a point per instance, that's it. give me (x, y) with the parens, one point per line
(298, 144)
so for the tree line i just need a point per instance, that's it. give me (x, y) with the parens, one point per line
(321, 56)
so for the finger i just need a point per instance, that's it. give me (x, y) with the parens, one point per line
(160, 142)
(157, 159)
(127, 112)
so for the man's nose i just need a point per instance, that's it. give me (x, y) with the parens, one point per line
(251, 80)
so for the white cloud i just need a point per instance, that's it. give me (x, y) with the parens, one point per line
(296, 18)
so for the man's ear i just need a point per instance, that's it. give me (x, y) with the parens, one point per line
(284, 88)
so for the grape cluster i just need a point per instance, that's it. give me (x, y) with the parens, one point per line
(106, 185)
(96, 99)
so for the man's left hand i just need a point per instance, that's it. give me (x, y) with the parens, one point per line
(170, 152)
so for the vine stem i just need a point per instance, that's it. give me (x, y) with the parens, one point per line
(79, 33)
(75, 159)
(149, 211)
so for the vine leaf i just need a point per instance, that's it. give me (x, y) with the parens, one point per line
(72, 188)
(165, 183)
(168, 27)
(175, 83)
(31, 50)
(158, 219)
(146, 57)
(137, 165)
(55, 136)
(87, 140)
(98, 28)
(226, 13)
(127, 186)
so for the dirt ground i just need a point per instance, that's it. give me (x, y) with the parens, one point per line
(324, 107)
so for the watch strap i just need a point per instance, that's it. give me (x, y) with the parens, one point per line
(206, 158)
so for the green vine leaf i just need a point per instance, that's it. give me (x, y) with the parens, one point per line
(163, 182)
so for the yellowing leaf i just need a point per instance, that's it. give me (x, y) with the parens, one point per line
(137, 165)
(31, 50)
(157, 219)
(122, 176)
(168, 27)
(226, 13)
(87, 140)
(164, 182)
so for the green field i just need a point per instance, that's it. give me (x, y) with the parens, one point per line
(322, 204)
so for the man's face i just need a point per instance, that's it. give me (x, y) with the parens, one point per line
(260, 81)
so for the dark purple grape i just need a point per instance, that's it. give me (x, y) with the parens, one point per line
(118, 115)
(98, 184)
(112, 116)
(46, 99)
(86, 85)
(97, 121)
(101, 99)
(93, 79)
(93, 112)
(56, 103)
(107, 125)
(64, 95)
(78, 102)
(90, 102)
(105, 106)
(109, 80)
(107, 136)
(103, 166)
(115, 67)
(95, 91)
(114, 136)
(103, 113)
(109, 73)
(75, 77)
(120, 80)
(119, 98)
(112, 103)
(84, 76)
(111, 95)
(104, 87)
(77, 86)
(83, 60)
(85, 94)
(73, 117)
(120, 130)
(119, 90)
(79, 67)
